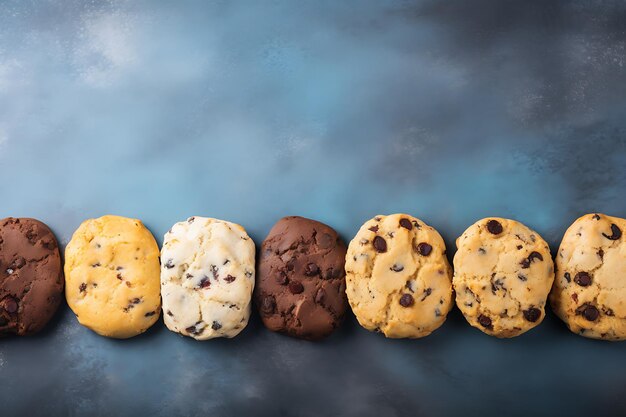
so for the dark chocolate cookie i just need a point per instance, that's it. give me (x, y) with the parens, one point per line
(31, 278)
(301, 288)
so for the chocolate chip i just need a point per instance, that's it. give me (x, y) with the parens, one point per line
(135, 300)
(296, 287)
(169, 313)
(119, 276)
(596, 217)
(525, 263)
(583, 279)
(424, 249)
(616, 233)
(380, 245)
(373, 229)
(82, 287)
(268, 304)
(532, 314)
(320, 296)
(396, 268)
(150, 313)
(97, 264)
(311, 269)
(205, 282)
(214, 271)
(427, 292)
(567, 277)
(216, 326)
(407, 300)
(194, 330)
(497, 284)
(601, 254)
(482, 251)
(169, 264)
(589, 312)
(522, 277)
(281, 278)
(10, 304)
(494, 227)
(484, 320)
(519, 247)
(332, 273)
(119, 268)
(406, 223)
(18, 263)
(229, 278)
(191, 219)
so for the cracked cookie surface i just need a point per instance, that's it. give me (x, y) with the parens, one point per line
(503, 272)
(398, 278)
(589, 292)
(301, 279)
(207, 278)
(112, 276)
(31, 278)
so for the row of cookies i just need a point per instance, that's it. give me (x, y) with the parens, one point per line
(399, 281)
(395, 275)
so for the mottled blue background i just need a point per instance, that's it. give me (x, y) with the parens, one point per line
(337, 110)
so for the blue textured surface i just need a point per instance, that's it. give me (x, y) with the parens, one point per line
(249, 111)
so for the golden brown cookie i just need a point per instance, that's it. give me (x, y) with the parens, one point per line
(589, 293)
(503, 272)
(398, 278)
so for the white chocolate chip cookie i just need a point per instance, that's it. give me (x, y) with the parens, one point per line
(398, 279)
(207, 278)
(589, 292)
(503, 272)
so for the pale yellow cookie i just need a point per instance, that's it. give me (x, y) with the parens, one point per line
(112, 276)
(398, 279)
(207, 278)
(589, 293)
(503, 272)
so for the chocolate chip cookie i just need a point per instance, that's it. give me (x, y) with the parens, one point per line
(300, 289)
(112, 276)
(503, 272)
(398, 278)
(207, 278)
(589, 292)
(31, 278)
